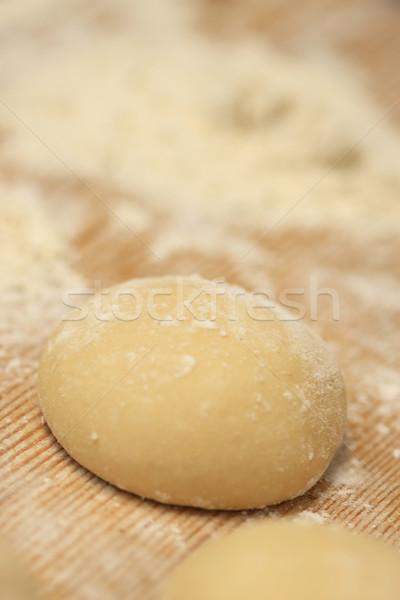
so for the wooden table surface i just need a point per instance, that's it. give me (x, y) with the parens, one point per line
(85, 539)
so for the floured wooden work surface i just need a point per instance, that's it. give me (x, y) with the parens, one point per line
(75, 212)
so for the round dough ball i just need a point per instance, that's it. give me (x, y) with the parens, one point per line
(284, 560)
(15, 582)
(192, 392)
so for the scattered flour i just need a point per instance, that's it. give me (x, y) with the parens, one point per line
(186, 365)
(35, 269)
(346, 472)
(313, 517)
(260, 128)
(382, 384)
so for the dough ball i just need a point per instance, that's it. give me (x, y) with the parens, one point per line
(15, 582)
(192, 392)
(286, 560)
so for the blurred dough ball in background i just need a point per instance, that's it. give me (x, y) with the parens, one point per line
(15, 581)
(283, 560)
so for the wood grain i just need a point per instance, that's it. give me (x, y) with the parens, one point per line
(85, 539)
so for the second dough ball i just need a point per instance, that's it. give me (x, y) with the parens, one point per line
(192, 392)
(286, 560)
(15, 582)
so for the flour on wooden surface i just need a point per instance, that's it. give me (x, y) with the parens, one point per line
(348, 473)
(36, 268)
(180, 119)
(213, 134)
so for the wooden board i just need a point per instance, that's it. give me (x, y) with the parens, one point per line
(85, 539)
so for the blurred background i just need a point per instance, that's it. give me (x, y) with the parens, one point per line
(256, 142)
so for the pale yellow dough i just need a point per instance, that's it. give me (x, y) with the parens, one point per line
(205, 398)
(15, 582)
(284, 560)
